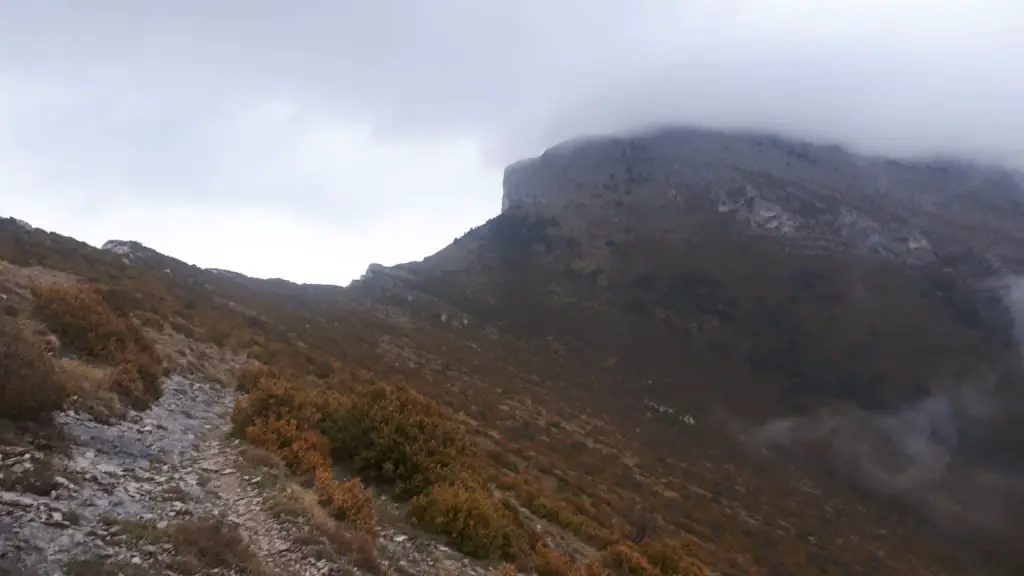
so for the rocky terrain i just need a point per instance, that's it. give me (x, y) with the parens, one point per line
(124, 498)
(767, 356)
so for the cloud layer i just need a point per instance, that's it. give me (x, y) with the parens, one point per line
(327, 135)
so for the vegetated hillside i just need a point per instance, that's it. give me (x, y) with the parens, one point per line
(839, 402)
(843, 312)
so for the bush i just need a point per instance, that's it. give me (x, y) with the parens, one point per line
(30, 388)
(83, 321)
(398, 437)
(671, 558)
(271, 398)
(389, 433)
(625, 559)
(549, 562)
(479, 523)
(558, 512)
(249, 376)
(347, 501)
(302, 450)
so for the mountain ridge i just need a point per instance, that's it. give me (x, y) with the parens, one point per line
(752, 389)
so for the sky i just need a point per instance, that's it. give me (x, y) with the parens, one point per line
(306, 140)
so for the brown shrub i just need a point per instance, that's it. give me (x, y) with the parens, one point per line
(30, 389)
(347, 501)
(505, 570)
(393, 435)
(301, 449)
(272, 398)
(550, 562)
(80, 317)
(478, 522)
(249, 376)
(671, 557)
(390, 433)
(625, 559)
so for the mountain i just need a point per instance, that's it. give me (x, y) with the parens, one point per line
(851, 314)
(792, 358)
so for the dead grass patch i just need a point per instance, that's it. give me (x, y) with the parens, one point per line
(84, 322)
(104, 567)
(30, 388)
(90, 390)
(297, 505)
(199, 545)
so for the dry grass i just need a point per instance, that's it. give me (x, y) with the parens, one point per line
(340, 517)
(83, 321)
(104, 567)
(91, 389)
(30, 386)
(298, 505)
(198, 545)
(187, 356)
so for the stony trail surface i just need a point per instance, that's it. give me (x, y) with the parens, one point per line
(169, 464)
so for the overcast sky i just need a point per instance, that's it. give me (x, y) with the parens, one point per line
(305, 139)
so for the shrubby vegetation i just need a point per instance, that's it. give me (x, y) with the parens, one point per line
(85, 324)
(116, 362)
(409, 445)
(30, 387)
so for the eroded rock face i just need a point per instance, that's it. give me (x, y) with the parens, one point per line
(820, 197)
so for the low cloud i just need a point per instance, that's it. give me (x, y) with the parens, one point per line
(333, 112)
(918, 454)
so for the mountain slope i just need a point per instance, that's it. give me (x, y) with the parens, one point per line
(785, 293)
(786, 367)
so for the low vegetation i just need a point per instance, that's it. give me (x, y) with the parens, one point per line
(85, 324)
(409, 445)
(479, 522)
(536, 481)
(199, 545)
(30, 386)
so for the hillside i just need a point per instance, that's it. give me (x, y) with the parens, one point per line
(766, 356)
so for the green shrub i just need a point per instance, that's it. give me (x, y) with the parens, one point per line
(478, 522)
(398, 437)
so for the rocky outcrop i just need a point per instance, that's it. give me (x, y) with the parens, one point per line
(818, 197)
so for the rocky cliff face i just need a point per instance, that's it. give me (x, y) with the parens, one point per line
(817, 197)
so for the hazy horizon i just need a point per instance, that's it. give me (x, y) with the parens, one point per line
(307, 141)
